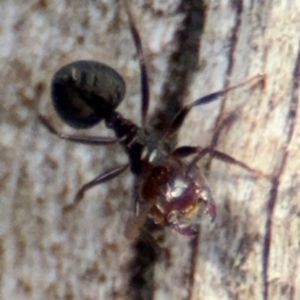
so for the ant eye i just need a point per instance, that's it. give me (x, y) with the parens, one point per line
(85, 92)
(205, 195)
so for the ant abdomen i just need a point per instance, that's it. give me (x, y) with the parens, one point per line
(86, 92)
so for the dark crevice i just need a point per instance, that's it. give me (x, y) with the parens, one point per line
(238, 8)
(290, 125)
(182, 65)
(268, 235)
(141, 269)
(233, 40)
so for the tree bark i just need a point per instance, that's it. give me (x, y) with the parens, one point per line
(192, 48)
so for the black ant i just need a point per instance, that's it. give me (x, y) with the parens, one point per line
(169, 190)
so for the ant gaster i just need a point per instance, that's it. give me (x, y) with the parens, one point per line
(171, 191)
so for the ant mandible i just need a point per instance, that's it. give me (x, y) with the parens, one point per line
(169, 190)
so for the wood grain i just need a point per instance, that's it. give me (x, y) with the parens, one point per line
(192, 48)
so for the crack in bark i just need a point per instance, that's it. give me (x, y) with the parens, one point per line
(290, 124)
(233, 40)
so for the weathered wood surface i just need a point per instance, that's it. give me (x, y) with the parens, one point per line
(252, 249)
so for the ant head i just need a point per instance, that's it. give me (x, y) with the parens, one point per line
(194, 199)
(86, 92)
(182, 197)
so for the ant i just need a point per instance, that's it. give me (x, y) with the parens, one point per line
(172, 192)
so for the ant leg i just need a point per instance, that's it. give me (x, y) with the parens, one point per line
(180, 117)
(134, 224)
(185, 151)
(82, 139)
(224, 123)
(98, 180)
(223, 157)
(143, 69)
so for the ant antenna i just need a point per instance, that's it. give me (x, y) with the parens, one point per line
(145, 93)
(220, 156)
(180, 117)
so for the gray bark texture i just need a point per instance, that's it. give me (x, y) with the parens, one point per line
(192, 48)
